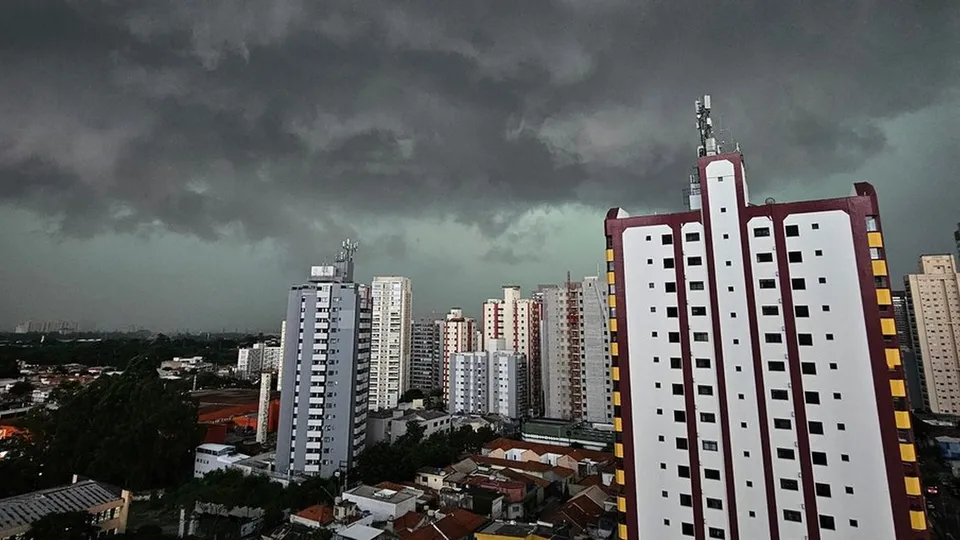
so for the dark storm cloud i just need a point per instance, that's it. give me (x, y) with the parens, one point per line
(197, 116)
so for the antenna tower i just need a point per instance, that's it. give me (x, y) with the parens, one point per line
(708, 142)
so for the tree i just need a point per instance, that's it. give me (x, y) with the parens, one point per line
(131, 430)
(65, 526)
(410, 395)
(21, 467)
(9, 369)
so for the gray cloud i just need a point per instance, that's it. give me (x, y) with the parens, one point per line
(296, 122)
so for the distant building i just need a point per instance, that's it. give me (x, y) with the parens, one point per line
(567, 433)
(575, 351)
(261, 357)
(391, 315)
(47, 327)
(108, 507)
(388, 425)
(324, 391)
(911, 368)
(516, 321)
(426, 355)
(933, 303)
(493, 381)
(459, 335)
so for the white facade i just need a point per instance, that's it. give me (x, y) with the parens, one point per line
(758, 378)
(323, 398)
(575, 351)
(383, 504)
(390, 344)
(489, 382)
(390, 425)
(214, 457)
(261, 357)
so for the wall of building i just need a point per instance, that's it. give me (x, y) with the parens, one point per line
(390, 346)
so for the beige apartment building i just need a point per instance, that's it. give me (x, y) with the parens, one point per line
(933, 300)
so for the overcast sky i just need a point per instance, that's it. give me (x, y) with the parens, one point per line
(179, 164)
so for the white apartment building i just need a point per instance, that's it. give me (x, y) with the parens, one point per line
(758, 386)
(323, 399)
(933, 307)
(488, 382)
(211, 457)
(575, 351)
(390, 341)
(459, 335)
(261, 357)
(516, 321)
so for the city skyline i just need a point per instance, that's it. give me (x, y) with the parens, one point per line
(157, 160)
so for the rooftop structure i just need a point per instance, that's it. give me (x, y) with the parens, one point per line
(108, 505)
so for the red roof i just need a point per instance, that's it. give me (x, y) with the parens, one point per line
(578, 454)
(529, 466)
(456, 525)
(320, 513)
(407, 522)
(580, 512)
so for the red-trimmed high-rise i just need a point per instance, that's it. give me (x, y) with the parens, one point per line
(758, 386)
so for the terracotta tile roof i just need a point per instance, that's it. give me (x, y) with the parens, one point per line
(320, 513)
(579, 511)
(407, 522)
(529, 466)
(578, 454)
(524, 477)
(458, 524)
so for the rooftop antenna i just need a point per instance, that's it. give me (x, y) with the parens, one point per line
(708, 142)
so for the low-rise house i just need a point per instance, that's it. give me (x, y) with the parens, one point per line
(213, 519)
(583, 462)
(383, 504)
(316, 516)
(590, 512)
(107, 505)
(214, 457)
(458, 524)
(388, 425)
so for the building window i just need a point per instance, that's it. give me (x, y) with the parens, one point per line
(770, 310)
(670, 286)
(694, 261)
(681, 443)
(818, 458)
(686, 500)
(708, 418)
(675, 363)
(679, 416)
(805, 339)
(793, 230)
(666, 239)
(773, 338)
(701, 336)
(829, 337)
(818, 252)
(711, 474)
(705, 390)
(795, 257)
(677, 389)
(673, 337)
(668, 263)
(798, 284)
(827, 522)
(683, 471)
(768, 284)
(801, 311)
(698, 311)
(792, 515)
(782, 423)
(696, 285)
(823, 490)
(710, 446)
(815, 428)
(764, 257)
(808, 368)
(776, 365)
(761, 232)
(785, 453)
(672, 312)
(821, 280)
(812, 398)
(714, 532)
(692, 237)
(703, 362)
(715, 504)
(779, 395)
(686, 529)
(789, 484)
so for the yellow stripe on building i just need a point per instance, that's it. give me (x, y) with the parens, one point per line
(609, 255)
(893, 358)
(888, 327)
(883, 297)
(879, 268)
(898, 388)
(908, 453)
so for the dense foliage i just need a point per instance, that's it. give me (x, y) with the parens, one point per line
(401, 460)
(65, 526)
(132, 430)
(115, 351)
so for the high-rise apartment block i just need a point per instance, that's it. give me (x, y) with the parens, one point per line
(390, 341)
(933, 304)
(758, 385)
(516, 321)
(493, 381)
(901, 316)
(426, 356)
(459, 335)
(323, 400)
(575, 351)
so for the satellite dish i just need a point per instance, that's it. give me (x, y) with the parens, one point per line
(770, 200)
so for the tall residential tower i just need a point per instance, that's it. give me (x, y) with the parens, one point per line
(516, 321)
(459, 335)
(390, 341)
(758, 385)
(426, 356)
(323, 400)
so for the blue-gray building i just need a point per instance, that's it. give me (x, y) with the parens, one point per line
(324, 389)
